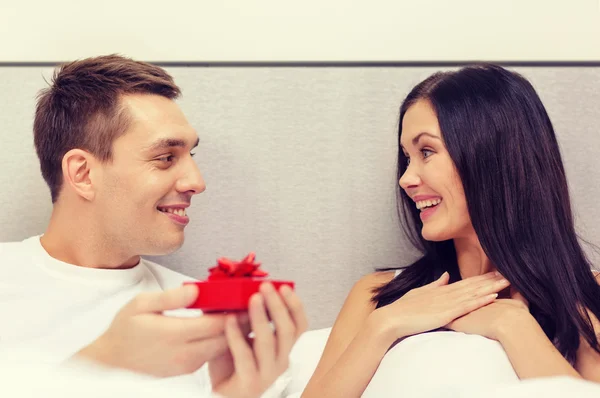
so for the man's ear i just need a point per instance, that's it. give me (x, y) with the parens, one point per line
(77, 167)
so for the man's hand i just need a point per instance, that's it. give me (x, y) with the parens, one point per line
(143, 340)
(251, 366)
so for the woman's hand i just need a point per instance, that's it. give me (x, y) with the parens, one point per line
(437, 304)
(495, 318)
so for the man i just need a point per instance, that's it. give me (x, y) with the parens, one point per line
(117, 154)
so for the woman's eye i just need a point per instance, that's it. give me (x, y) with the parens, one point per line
(426, 153)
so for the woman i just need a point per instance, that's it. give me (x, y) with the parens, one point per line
(484, 196)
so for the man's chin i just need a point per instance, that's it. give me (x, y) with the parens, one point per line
(165, 245)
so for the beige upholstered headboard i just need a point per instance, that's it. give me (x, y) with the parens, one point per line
(300, 166)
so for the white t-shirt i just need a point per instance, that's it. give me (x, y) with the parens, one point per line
(49, 309)
(81, 379)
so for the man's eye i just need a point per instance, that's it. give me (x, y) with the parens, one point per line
(167, 159)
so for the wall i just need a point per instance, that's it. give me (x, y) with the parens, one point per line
(311, 30)
(300, 167)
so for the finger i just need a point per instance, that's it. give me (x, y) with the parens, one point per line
(475, 282)
(284, 326)
(202, 327)
(157, 302)
(264, 338)
(221, 368)
(243, 320)
(243, 358)
(441, 281)
(295, 308)
(196, 354)
(471, 305)
(483, 288)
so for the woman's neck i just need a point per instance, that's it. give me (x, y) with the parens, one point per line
(471, 258)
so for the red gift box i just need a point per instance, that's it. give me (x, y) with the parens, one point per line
(230, 285)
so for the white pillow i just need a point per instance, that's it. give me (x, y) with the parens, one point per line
(304, 359)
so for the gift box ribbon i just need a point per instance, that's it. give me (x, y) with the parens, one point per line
(227, 268)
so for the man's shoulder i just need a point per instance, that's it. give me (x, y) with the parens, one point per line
(9, 247)
(166, 277)
(15, 248)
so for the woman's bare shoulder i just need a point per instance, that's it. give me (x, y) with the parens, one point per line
(373, 280)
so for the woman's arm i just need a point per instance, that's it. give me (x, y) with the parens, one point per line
(362, 335)
(355, 347)
(588, 359)
(529, 350)
(510, 323)
(533, 355)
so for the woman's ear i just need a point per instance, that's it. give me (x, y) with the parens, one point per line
(76, 168)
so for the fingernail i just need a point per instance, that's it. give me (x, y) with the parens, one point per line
(267, 287)
(258, 298)
(285, 290)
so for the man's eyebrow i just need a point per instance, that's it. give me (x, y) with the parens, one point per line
(166, 143)
(418, 137)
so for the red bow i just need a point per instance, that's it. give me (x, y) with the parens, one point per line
(227, 268)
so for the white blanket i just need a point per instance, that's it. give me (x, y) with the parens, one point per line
(553, 387)
(439, 364)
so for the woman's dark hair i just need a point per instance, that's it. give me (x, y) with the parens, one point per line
(503, 145)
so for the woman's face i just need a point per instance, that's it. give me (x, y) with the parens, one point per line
(431, 179)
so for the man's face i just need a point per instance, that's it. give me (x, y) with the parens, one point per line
(142, 194)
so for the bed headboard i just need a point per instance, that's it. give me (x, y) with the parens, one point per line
(300, 166)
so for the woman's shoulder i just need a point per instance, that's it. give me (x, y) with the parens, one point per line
(374, 280)
(359, 302)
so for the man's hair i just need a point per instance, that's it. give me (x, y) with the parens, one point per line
(82, 108)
